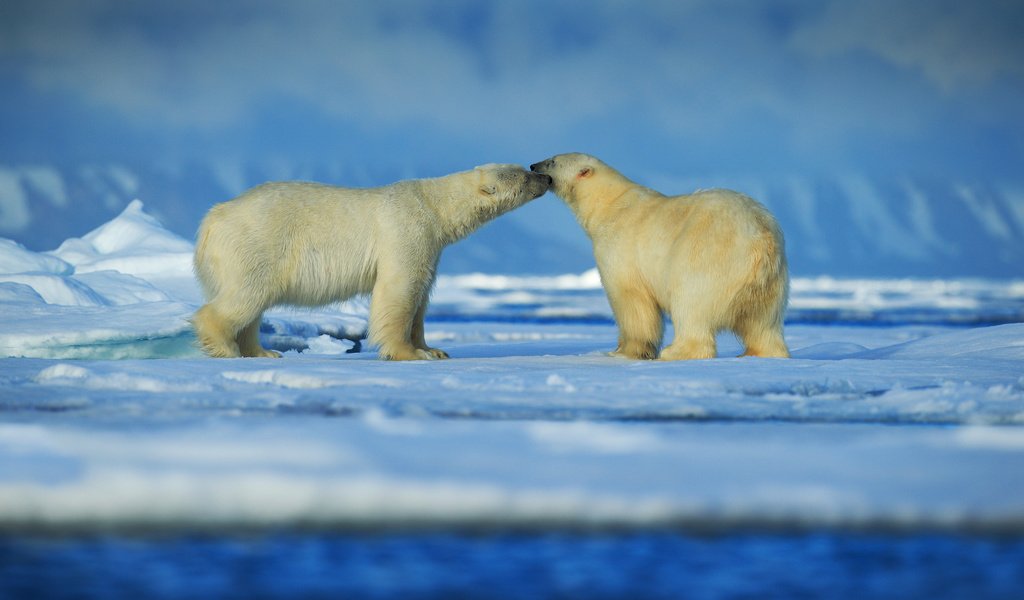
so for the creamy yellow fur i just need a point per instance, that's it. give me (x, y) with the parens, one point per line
(713, 260)
(309, 244)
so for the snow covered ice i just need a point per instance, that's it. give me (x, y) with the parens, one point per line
(902, 407)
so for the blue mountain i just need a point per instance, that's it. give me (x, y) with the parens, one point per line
(844, 225)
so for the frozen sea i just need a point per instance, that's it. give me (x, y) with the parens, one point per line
(885, 459)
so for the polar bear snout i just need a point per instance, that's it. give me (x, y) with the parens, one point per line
(539, 183)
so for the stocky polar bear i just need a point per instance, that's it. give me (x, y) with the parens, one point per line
(309, 244)
(713, 260)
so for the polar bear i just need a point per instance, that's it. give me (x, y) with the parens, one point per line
(713, 260)
(309, 244)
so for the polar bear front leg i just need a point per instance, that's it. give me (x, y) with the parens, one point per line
(418, 338)
(638, 316)
(394, 312)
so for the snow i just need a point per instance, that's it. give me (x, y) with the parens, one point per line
(902, 407)
(54, 289)
(133, 243)
(15, 258)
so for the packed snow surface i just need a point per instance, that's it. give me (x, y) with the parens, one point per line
(902, 407)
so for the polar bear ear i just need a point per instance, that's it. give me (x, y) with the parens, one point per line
(489, 188)
(585, 172)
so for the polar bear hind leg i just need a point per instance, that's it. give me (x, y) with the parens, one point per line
(762, 341)
(228, 325)
(759, 324)
(214, 333)
(758, 308)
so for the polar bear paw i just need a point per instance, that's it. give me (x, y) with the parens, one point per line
(413, 354)
(689, 350)
(264, 353)
(636, 351)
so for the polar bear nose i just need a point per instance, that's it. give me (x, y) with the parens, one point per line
(534, 166)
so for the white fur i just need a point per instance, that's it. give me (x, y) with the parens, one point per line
(309, 244)
(713, 260)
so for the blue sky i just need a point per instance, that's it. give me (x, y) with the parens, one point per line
(932, 88)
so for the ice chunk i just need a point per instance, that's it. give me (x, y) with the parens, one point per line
(15, 258)
(19, 293)
(1001, 341)
(55, 289)
(134, 243)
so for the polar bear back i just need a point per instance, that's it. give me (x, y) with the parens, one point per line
(311, 243)
(719, 225)
(714, 233)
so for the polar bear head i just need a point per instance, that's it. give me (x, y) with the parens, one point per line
(468, 199)
(511, 185)
(573, 173)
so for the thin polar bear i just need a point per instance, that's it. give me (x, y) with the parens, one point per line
(713, 260)
(308, 244)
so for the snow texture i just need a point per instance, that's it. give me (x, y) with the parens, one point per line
(902, 408)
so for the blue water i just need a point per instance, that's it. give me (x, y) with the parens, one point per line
(513, 565)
